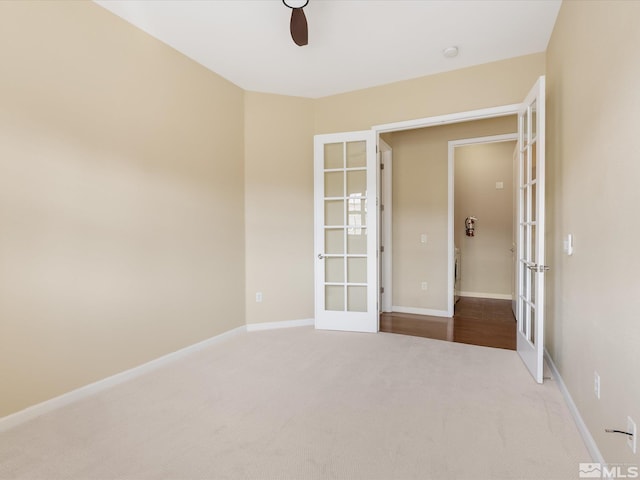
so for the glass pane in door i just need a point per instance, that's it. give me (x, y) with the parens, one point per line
(334, 298)
(532, 329)
(357, 270)
(334, 184)
(534, 200)
(534, 161)
(334, 270)
(333, 240)
(333, 155)
(357, 296)
(334, 212)
(356, 154)
(356, 183)
(534, 113)
(357, 241)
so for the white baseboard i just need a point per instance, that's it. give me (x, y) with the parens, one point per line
(496, 296)
(420, 311)
(34, 411)
(587, 438)
(254, 327)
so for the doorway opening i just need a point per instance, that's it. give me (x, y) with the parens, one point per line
(417, 211)
(483, 212)
(416, 206)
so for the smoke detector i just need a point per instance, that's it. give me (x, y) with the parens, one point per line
(450, 52)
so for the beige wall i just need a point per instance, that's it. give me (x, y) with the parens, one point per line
(486, 258)
(420, 206)
(489, 85)
(121, 200)
(279, 207)
(593, 170)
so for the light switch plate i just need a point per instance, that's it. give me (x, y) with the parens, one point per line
(568, 245)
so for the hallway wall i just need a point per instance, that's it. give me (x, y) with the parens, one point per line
(487, 260)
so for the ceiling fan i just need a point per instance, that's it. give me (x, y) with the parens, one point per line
(298, 25)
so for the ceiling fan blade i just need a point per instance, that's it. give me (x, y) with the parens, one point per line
(299, 29)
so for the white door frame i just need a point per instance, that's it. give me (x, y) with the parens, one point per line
(507, 137)
(384, 224)
(481, 114)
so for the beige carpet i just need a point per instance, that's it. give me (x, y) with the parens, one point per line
(304, 404)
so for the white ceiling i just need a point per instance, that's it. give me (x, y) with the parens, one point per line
(353, 44)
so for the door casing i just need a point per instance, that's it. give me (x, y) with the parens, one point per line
(481, 114)
(507, 137)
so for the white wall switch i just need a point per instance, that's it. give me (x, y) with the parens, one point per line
(423, 285)
(258, 297)
(423, 238)
(568, 245)
(499, 185)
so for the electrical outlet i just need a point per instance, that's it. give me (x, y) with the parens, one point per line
(596, 384)
(423, 238)
(424, 285)
(258, 297)
(631, 439)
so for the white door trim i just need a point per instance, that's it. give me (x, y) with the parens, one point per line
(386, 219)
(480, 114)
(507, 137)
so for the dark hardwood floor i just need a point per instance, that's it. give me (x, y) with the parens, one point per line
(476, 321)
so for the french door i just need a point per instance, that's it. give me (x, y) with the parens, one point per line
(530, 245)
(346, 266)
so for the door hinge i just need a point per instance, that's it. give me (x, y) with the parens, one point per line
(381, 289)
(382, 166)
(382, 208)
(381, 248)
(534, 267)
